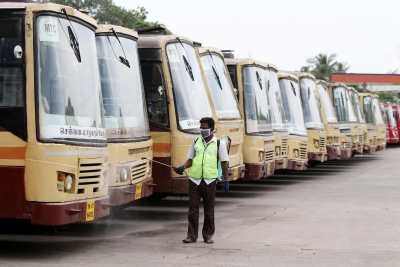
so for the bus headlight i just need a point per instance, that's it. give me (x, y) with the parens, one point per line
(260, 156)
(68, 182)
(344, 145)
(316, 143)
(123, 175)
(296, 153)
(277, 150)
(329, 140)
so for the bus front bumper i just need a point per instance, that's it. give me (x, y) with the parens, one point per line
(297, 165)
(317, 156)
(281, 163)
(120, 195)
(369, 149)
(255, 171)
(63, 213)
(333, 152)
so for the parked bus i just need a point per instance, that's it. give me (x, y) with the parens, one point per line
(298, 138)
(127, 126)
(339, 98)
(392, 133)
(53, 139)
(331, 123)
(355, 126)
(278, 119)
(310, 103)
(176, 101)
(396, 115)
(228, 120)
(380, 124)
(249, 77)
(366, 107)
(362, 127)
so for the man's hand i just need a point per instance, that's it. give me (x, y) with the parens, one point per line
(225, 187)
(180, 169)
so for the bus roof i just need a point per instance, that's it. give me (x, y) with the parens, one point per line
(241, 61)
(158, 41)
(106, 28)
(285, 75)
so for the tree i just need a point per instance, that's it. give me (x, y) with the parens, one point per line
(342, 67)
(322, 66)
(386, 96)
(106, 12)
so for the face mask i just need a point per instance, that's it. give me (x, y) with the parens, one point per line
(205, 132)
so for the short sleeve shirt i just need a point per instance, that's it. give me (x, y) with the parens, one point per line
(222, 154)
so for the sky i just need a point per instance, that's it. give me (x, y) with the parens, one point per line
(363, 33)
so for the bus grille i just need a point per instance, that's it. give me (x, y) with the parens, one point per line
(348, 145)
(365, 138)
(360, 138)
(336, 140)
(303, 150)
(322, 143)
(284, 146)
(90, 172)
(269, 156)
(234, 150)
(374, 142)
(138, 171)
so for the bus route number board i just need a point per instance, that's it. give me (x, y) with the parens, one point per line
(138, 192)
(90, 211)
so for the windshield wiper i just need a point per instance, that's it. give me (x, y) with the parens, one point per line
(259, 80)
(123, 60)
(215, 72)
(187, 65)
(73, 40)
(293, 89)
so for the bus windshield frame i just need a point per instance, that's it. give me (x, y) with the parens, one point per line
(327, 104)
(68, 92)
(277, 110)
(356, 105)
(377, 111)
(368, 114)
(292, 103)
(122, 89)
(223, 96)
(256, 102)
(190, 96)
(310, 104)
(341, 107)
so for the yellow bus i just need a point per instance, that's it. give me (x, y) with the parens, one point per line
(249, 77)
(362, 127)
(53, 140)
(379, 123)
(127, 126)
(228, 120)
(370, 135)
(298, 138)
(339, 98)
(176, 101)
(310, 103)
(278, 119)
(330, 122)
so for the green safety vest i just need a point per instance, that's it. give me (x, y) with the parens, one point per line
(205, 161)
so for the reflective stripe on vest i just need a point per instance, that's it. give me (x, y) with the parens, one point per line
(204, 164)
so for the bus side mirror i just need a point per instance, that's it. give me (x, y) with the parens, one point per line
(160, 90)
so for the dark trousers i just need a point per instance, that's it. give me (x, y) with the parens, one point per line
(196, 192)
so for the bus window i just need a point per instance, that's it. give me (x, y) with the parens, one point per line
(154, 89)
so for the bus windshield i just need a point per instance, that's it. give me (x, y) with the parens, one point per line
(292, 104)
(69, 92)
(356, 104)
(220, 87)
(275, 100)
(191, 101)
(377, 111)
(352, 115)
(310, 103)
(341, 107)
(369, 116)
(255, 98)
(122, 90)
(326, 103)
(390, 116)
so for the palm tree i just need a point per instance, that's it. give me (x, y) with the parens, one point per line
(323, 66)
(342, 67)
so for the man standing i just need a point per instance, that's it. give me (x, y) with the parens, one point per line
(203, 160)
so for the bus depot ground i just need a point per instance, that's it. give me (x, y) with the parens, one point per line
(341, 213)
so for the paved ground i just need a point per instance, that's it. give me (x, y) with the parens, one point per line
(343, 213)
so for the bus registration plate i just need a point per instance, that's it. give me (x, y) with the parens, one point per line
(90, 211)
(235, 174)
(138, 193)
